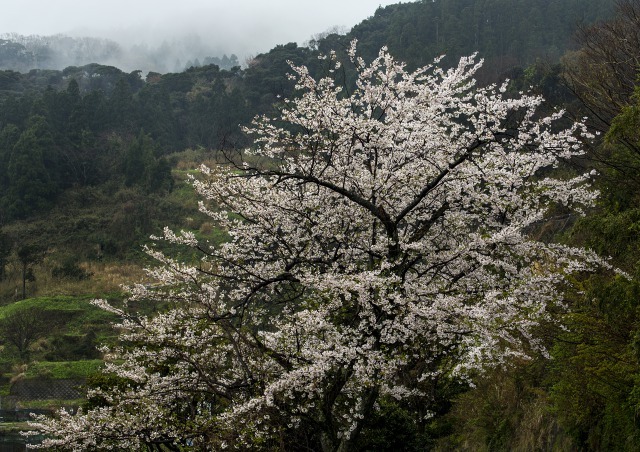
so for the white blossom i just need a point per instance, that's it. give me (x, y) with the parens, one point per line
(382, 246)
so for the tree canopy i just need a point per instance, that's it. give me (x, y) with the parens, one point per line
(381, 246)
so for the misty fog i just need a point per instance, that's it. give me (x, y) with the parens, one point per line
(165, 37)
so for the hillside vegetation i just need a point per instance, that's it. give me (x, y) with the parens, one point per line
(93, 160)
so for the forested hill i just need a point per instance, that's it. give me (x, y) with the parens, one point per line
(506, 32)
(78, 127)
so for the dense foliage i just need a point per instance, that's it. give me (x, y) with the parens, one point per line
(507, 33)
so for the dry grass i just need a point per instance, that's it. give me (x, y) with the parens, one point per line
(109, 277)
(191, 159)
(105, 277)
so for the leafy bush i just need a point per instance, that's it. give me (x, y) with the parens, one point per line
(69, 269)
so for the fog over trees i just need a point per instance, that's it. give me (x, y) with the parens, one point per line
(164, 36)
(22, 53)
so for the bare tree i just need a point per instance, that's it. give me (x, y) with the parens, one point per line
(23, 327)
(603, 75)
(604, 71)
(28, 255)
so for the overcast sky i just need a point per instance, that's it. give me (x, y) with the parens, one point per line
(234, 26)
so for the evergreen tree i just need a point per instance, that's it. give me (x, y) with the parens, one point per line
(32, 184)
(122, 109)
(138, 160)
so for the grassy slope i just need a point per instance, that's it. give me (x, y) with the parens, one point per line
(71, 231)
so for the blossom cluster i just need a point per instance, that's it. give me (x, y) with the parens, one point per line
(382, 246)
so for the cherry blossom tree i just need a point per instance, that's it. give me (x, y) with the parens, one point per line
(380, 244)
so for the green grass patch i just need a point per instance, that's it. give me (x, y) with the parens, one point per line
(78, 311)
(13, 427)
(50, 404)
(55, 303)
(64, 369)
